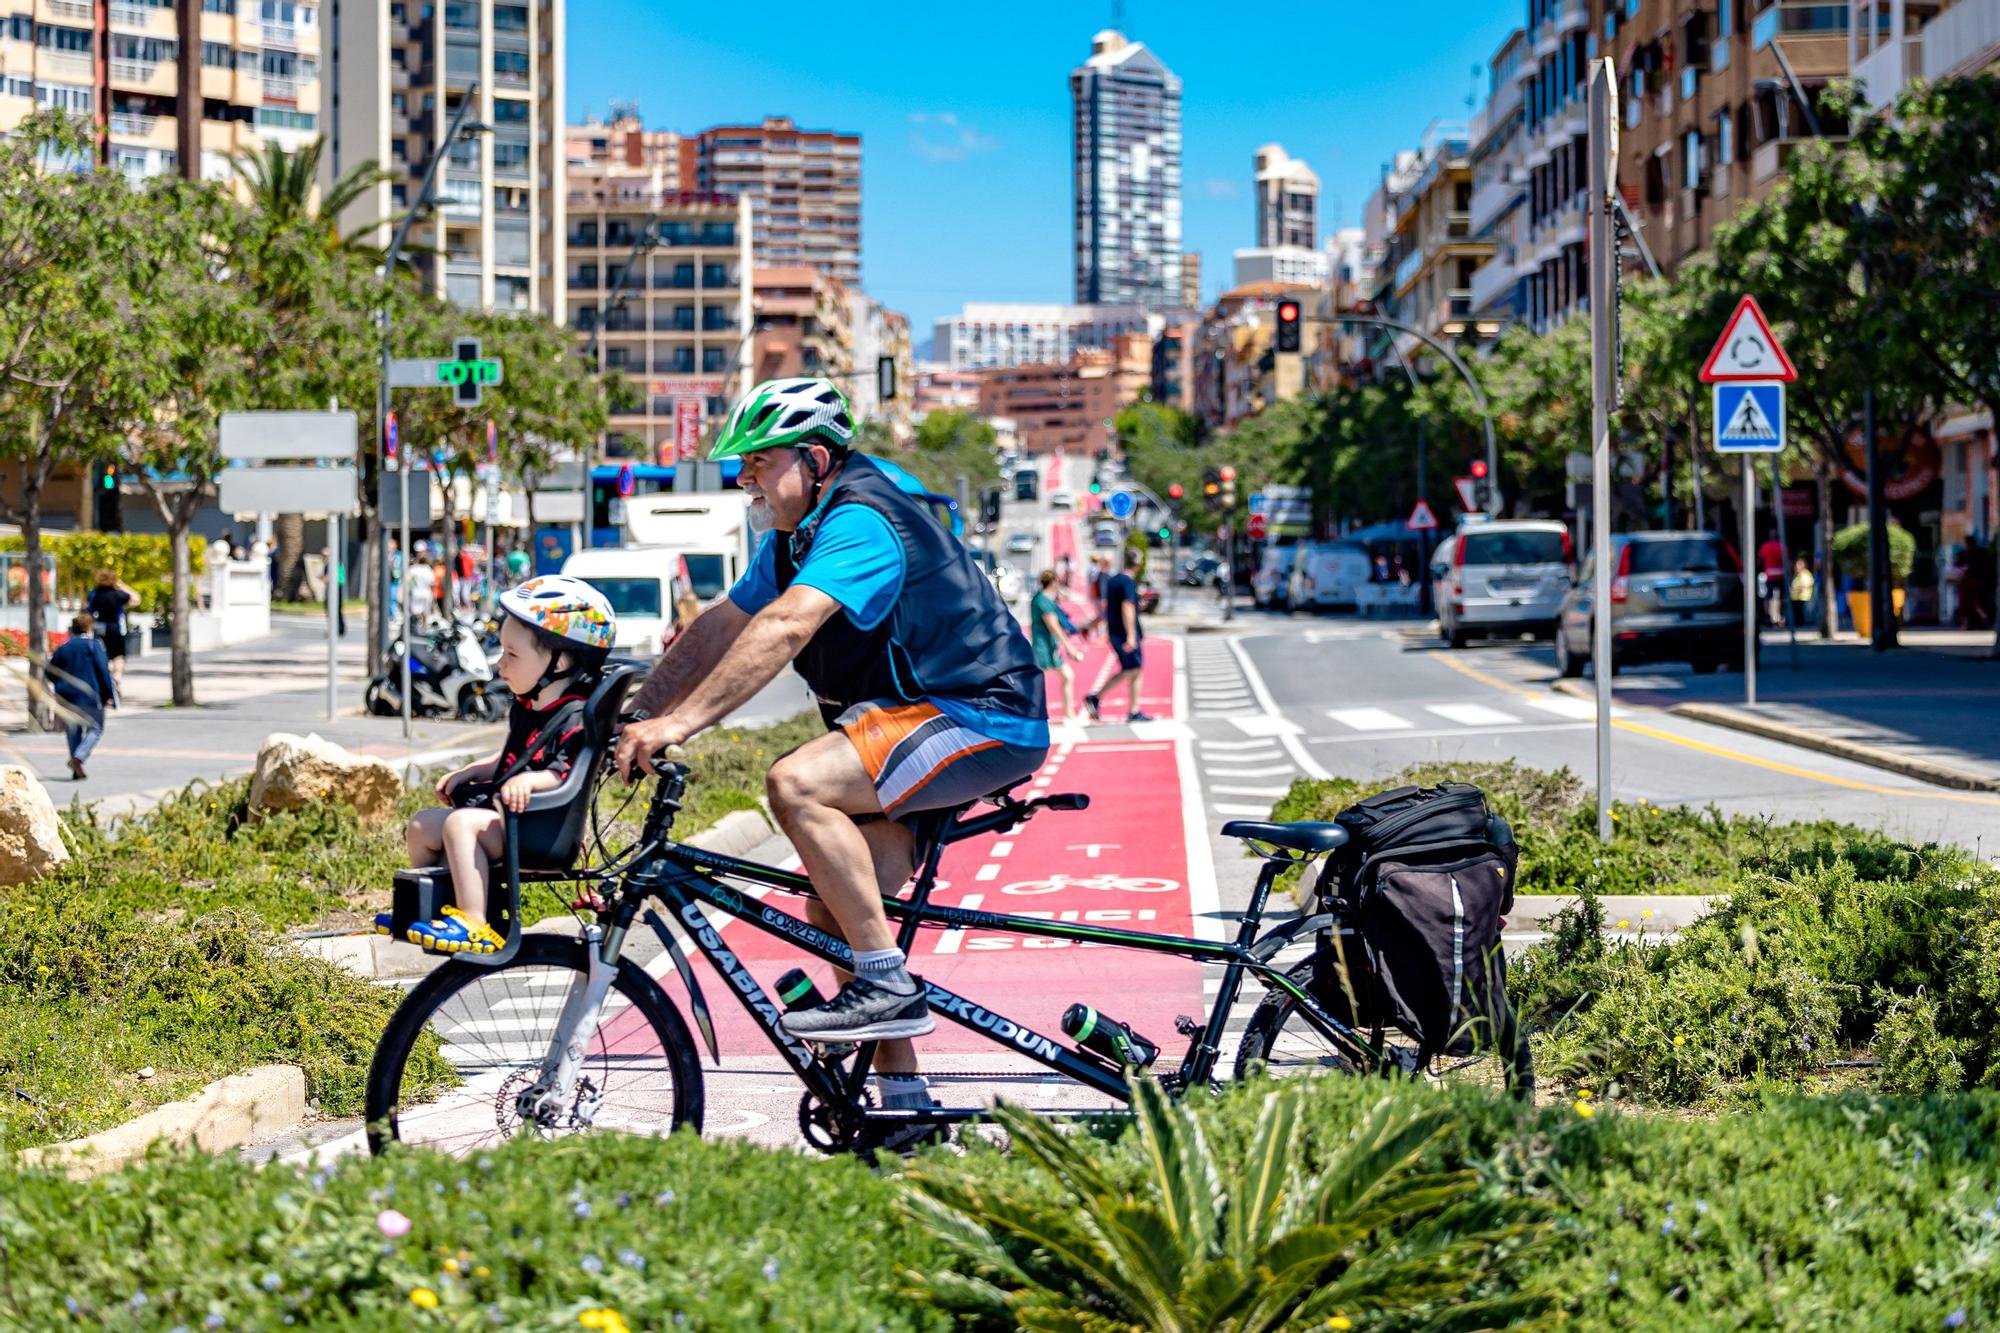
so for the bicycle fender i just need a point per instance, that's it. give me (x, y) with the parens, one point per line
(1269, 946)
(695, 999)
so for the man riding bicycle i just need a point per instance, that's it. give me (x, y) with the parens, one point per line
(923, 677)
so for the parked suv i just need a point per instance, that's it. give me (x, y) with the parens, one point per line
(1502, 577)
(1675, 597)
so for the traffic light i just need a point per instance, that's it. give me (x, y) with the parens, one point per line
(1166, 535)
(1211, 488)
(1174, 491)
(1481, 485)
(1288, 326)
(1228, 488)
(1097, 488)
(110, 506)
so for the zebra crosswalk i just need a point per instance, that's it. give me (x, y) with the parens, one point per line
(1421, 720)
(1243, 778)
(1216, 685)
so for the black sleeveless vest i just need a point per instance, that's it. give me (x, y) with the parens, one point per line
(949, 633)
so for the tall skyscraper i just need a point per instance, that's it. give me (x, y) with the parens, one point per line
(179, 87)
(398, 70)
(1126, 151)
(804, 187)
(1287, 201)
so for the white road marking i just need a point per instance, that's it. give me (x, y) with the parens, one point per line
(1247, 811)
(1563, 705)
(1265, 726)
(1471, 715)
(1440, 733)
(1234, 745)
(1369, 719)
(1001, 848)
(1266, 772)
(1245, 757)
(1220, 789)
(987, 872)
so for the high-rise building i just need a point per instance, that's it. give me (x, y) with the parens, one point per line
(1292, 264)
(984, 335)
(174, 88)
(397, 72)
(1500, 188)
(802, 326)
(624, 147)
(673, 324)
(805, 187)
(1191, 279)
(1423, 215)
(1287, 201)
(1126, 155)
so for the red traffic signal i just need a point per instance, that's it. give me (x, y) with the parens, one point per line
(1228, 472)
(1478, 468)
(1288, 326)
(1174, 491)
(1288, 311)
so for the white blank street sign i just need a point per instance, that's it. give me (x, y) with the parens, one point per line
(258, 436)
(288, 490)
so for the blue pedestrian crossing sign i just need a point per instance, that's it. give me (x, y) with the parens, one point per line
(1121, 504)
(1749, 417)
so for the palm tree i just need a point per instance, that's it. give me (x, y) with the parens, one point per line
(284, 191)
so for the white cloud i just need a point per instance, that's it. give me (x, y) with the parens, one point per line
(1221, 187)
(937, 136)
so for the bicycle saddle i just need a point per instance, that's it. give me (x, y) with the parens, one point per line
(1303, 836)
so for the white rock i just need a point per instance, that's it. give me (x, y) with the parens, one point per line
(31, 842)
(296, 771)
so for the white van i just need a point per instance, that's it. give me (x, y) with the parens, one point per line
(1500, 577)
(1271, 585)
(1330, 574)
(697, 542)
(642, 584)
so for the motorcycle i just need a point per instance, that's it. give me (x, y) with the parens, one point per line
(451, 675)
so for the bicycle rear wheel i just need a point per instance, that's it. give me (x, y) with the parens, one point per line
(1281, 1042)
(467, 1040)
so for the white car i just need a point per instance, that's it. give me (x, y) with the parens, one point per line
(1021, 543)
(1062, 499)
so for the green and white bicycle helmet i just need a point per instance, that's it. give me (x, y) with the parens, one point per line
(787, 412)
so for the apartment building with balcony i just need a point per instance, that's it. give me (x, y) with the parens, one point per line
(985, 335)
(804, 185)
(623, 146)
(398, 71)
(1234, 367)
(1554, 143)
(802, 326)
(1065, 405)
(1282, 263)
(1429, 252)
(1191, 279)
(939, 388)
(175, 88)
(1500, 189)
(670, 319)
(880, 332)
(1709, 114)
(1919, 39)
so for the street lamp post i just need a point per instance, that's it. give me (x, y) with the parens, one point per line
(458, 127)
(1451, 358)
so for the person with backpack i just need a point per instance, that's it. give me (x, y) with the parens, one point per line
(1050, 637)
(554, 639)
(81, 675)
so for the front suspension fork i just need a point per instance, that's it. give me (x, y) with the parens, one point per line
(582, 1009)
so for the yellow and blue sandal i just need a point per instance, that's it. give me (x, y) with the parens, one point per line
(385, 923)
(455, 932)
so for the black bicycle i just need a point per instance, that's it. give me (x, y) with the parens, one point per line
(558, 1034)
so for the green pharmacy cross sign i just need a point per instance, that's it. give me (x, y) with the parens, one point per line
(466, 373)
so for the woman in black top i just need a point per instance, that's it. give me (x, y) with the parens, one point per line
(107, 605)
(82, 680)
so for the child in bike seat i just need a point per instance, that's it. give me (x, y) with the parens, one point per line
(555, 634)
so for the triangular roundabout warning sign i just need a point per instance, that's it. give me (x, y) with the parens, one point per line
(1747, 349)
(1421, 517)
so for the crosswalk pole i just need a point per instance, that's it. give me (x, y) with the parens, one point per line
(1749, 578)
(1604, 389)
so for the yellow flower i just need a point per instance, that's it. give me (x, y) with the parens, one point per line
(1646, 912)
(604, 1319)
(1679, 1040)
(451, 1266)
(1585, 1093)
(482, 1271)
(1340, 1321)
(424, 1298)
(1624, 922)
(1585, 1109)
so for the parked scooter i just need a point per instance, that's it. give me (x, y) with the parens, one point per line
(451, 675)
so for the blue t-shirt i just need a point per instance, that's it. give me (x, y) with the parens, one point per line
(857, 560)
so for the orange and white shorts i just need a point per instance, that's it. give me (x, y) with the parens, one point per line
(920, 759)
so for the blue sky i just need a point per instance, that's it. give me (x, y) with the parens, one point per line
(964, 111)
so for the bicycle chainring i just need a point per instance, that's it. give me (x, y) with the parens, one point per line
(821, 1127)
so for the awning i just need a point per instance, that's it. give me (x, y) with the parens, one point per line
(1968, 423)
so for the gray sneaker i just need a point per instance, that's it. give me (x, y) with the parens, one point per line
(863, 1011)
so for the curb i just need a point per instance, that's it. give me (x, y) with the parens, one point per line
(226, 1114)
(1923, 770)
(373, 957)
(1669, 911)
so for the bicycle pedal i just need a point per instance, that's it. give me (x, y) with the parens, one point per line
(1186, 1026)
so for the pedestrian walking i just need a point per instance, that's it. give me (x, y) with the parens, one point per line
(1050, 637)
(107, 604)
(423, 580)
(1803, 586)
(83, 681)
(337, 577)
(1121, 619)
(518, 561)
(1771, 578)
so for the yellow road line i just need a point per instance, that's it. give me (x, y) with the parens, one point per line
(1720, 752)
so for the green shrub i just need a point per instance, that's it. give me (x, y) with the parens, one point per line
(1785, 979)
(144, 560)
(1654, 849)
(1850, 552)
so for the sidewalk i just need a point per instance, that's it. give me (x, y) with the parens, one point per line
(1929, 709)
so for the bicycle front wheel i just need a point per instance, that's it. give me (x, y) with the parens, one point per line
(468, 1040)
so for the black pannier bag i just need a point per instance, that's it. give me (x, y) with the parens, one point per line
(1420, 889)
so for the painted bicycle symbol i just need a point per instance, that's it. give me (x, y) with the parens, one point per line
(1029, 888)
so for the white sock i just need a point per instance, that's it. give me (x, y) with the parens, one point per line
(887, 969)
(903, 1092)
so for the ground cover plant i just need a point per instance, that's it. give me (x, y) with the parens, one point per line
(1654, 849)
(1850, 1211)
